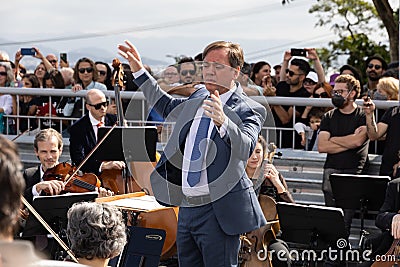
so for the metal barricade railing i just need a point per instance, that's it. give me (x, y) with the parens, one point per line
(141, 118)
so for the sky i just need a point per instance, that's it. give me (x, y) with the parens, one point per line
(161, 29)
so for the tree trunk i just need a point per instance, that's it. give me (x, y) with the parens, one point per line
(385, 12)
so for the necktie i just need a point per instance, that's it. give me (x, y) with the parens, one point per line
(100, 124)
(199, 148)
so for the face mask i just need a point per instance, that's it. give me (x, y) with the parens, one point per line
(338, 101)
(379, 96)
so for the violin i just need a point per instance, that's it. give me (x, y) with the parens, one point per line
(73, 182)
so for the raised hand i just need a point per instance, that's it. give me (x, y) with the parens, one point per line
(130, 53)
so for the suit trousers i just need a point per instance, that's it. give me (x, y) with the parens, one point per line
(201, 241)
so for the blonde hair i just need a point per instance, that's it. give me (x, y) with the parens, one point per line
(391, 86)
(351, 82)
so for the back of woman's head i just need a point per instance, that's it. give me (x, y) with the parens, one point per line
(95, 230)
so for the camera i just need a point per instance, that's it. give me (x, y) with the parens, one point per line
(63, 57)
(28, 51)
(298, 52)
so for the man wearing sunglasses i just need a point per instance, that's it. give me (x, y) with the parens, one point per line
(375, 66)
(291, 85)
(83, 132)
(187, 70)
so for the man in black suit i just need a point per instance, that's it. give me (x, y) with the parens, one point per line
(83, 136)
(48, 145)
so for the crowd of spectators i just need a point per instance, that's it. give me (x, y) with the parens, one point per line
(296, 76)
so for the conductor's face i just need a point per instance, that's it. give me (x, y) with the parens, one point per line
(217, 73)
(48, 153)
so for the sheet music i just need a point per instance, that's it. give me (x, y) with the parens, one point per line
(146, 203)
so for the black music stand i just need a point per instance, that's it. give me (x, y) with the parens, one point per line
(53, 210)
(363, 192)
(316, 227)
(143, 248)
(127, 143)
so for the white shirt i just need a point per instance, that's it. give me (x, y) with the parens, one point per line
(34, 191)
(202, 187)
(94, 123)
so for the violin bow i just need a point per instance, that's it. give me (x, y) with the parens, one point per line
(90, 154)
(20, 134)
(48, 228)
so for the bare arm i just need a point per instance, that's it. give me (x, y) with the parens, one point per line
(312, 54)
(327, 146)
(286, 57)
(283, 115)
(352, 140)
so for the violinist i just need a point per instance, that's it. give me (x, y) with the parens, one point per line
(83, 134)
(274, 185)
(14, 253)
(48, 145)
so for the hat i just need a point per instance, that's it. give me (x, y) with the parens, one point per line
(313, 76)
(332, 78)
(277, 67)
(377, 57)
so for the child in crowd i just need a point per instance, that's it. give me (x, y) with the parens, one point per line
(309, 134)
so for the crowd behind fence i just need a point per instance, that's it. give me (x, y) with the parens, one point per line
(139, 109)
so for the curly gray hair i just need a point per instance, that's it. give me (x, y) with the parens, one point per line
(95, 230)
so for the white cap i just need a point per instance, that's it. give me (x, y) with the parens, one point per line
(312, 76)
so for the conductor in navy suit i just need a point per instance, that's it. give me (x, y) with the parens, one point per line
(202, 168)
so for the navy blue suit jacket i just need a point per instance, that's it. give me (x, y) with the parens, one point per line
(233, 198)
(82, 140)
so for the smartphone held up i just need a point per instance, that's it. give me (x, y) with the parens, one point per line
(298, 52)
(28, 51)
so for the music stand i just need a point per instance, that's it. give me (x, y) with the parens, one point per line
(143, 248)
(363, 192)
(53, 210)
(127, 143)
(314, 226)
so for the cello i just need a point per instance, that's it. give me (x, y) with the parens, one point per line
(254, 245)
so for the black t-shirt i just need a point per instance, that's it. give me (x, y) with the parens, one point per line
(392, 147)
(340, 124)
(283, 89)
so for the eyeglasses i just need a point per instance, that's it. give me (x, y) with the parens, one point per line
(323, 95)
(309, 82)
(88, 70)
(3, 73)
(292, 73)
(53, 61)
(102, 72)
(185, 72)
(377, 67)
(339, 92)
(99, 105)
(170, 73)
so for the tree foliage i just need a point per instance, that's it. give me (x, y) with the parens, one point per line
(354, 21)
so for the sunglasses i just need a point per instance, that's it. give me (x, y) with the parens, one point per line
(3, 73)
(53, 61)
(292, 73)
(88, 70)
(99, 105)
(102, 72)
(323, 95)
(377, 67)
(185, 72)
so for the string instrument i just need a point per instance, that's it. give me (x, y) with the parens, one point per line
(254, 245)
(74, 183)
(392, 257)
(116, 180)
(48, 228)
(123, 184)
